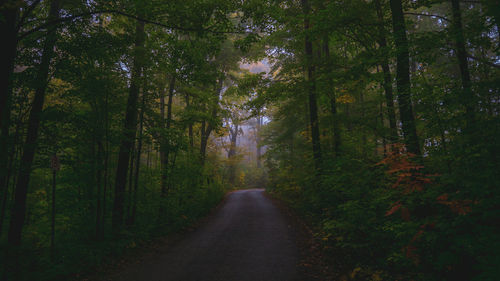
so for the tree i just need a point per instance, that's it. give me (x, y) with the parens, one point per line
(387, 83)
(403, 77)
(461, 53)
(21, 191)
(8, 26)
(130, 126)
(9, 17)
(311, 87)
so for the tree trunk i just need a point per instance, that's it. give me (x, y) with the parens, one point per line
(137, 163)
(166, 149)
(467, 95)
(163, 168)
(148, 157)
(233, 137)
(106, 168)
(169, 125)
(333, 102)
(387, 83)
(172, 165)
(203, 141)
(206, 130)
(98, 223)
(8, 174)
(130, 126)
(6, 161)
(204, 137)
(257, 140)
(9, 11)
(164, 153)
(130, 183)
(311, 88)
(403, 78)
(384, 141)
(53, 216)
(364, 139)
(190, 125)
(21, 191)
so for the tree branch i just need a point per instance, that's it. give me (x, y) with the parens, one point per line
(117, 12)
(27, 12)
(427, 15)
(489, 63)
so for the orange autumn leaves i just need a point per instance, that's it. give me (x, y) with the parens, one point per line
(461, 207)
(408, 177)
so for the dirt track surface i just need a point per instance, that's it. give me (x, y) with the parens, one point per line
(248, 238)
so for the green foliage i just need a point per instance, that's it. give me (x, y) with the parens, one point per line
(379, 212)
(77, 250)
(82, 122)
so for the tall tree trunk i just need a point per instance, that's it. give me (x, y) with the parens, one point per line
(137, 163)
(53, 209)
(106, 166)
(98, 221)
(467, 95)
(130, 183)
(21, 191)
(148, 157)
(9, 13)
(163, 168)
(205, 135)
(8, 174)
(384, 141)
(333, 102)
(172, 165)
(403, 78)
(362, 129)
(206, 129)
(169, 125)
(3, 200)
(4, 162)
(190, 125)
(166, 149)
(203, 141)
(387, 83)
(311, 87)
(233, 137)
(5, 167)
(164, 153)
(257, 140)
(170, 101)
(130, 126)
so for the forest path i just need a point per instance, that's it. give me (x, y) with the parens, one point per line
(247, 238)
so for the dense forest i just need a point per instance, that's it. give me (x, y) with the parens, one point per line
(377, 121)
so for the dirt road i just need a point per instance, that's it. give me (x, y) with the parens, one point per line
(246, 239)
